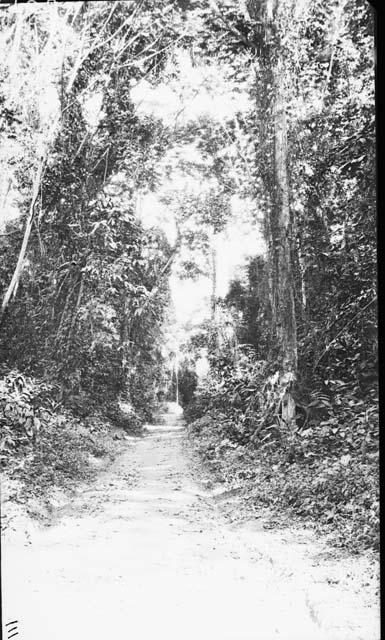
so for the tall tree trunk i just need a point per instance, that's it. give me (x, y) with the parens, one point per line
(214, 321)
(302, 272)
(213, 284)
(278, 222)
(281, 231)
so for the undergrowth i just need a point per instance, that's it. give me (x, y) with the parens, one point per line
(46, 445)
(322, 469)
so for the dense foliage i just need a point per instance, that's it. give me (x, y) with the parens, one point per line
(325, 458)
(91, 293)
(44, 444)
(323, 467)
(289, 403)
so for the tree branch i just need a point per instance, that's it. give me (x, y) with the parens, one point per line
(164, 270)
(12, 288)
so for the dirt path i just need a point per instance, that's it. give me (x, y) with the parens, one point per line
(157, 560)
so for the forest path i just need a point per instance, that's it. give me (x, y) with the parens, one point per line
(158, 560)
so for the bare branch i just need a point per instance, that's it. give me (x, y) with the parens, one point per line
(13, 285)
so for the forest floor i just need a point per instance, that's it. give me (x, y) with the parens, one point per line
(153, 548)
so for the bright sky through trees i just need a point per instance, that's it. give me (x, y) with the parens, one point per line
(198, 91)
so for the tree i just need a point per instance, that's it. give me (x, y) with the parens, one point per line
(308, 108)
(91, 281)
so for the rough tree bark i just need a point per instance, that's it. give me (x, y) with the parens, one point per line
(278, 223)
(286, 328)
